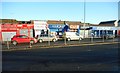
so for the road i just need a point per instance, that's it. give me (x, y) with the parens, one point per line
(76, 58)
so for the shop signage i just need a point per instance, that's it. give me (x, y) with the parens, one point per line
(55, 26)
(40, 25)
(74, 26)
(25, 26)
(8, 27)
(104, 28)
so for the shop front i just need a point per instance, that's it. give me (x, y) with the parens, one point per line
(0, 33)
(56, 28)
(40, 28)
(26, 29)
(99, 31)
(8, 31)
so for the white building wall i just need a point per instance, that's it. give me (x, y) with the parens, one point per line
(40, 25)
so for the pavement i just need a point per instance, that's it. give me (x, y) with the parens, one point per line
(59, 44)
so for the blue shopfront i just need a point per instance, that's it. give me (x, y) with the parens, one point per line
(99, 31)
(56, 28)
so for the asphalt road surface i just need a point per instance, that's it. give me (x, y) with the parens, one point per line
(78, 58)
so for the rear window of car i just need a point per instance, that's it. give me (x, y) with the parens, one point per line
(20, 36)
(43, 36)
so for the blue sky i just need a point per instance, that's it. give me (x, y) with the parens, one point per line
(68, 11)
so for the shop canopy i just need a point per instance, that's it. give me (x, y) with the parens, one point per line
(56, 26)
(104, 28)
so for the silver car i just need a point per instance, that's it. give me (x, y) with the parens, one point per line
(42, 38)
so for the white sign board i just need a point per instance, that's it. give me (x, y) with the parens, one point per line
(37, 32)
(40, 25)
(104, 28)
(74, 26)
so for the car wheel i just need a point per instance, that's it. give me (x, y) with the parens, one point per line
(14, 43)
(31, 42)
(54, 40)
(80, 38)
(40, 40)
(68, 39)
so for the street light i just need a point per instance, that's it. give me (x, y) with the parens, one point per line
(84, 16)
(48, 36)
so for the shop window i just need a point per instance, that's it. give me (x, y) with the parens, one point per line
(110, 32)
(42, 32)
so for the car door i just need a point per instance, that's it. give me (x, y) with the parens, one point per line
(46, 38)
(19, 39)
(25, 39)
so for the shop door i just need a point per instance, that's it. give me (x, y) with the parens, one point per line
(31, 32)
(6, 36)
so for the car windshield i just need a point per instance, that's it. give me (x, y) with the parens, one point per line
(23, 36)
(46, 36)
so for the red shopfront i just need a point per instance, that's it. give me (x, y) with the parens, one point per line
(9, 30)
(0, 33)
(26, 29)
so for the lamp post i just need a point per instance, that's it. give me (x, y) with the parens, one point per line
(84, 17)
(48, 36)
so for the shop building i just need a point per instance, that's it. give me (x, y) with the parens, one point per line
(105, 28)
(40, 27)
(61, 26)
(56, 27)
(26, 29)
(9, 29)
(85, 30)
(74, 25)
(119, 28)
(0, 33)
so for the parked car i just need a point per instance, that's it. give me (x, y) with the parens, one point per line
(22, 39)
(72, 36)
(42, 38)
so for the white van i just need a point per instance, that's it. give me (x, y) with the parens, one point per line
(73, 36)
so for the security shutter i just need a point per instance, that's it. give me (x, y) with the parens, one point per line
(24, 31)
(6, 36)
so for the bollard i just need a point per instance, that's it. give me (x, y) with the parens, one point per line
(91, 39)
(103, 38)
(92, 36)
(113, 38)
(30, 46)
(8, 44)
(49, 42)
(79, 40)
(65, 40)
(48, 38)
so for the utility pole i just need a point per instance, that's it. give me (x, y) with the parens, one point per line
(48, 36)
(84, 16)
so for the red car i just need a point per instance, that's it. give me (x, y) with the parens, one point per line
(22, 39)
